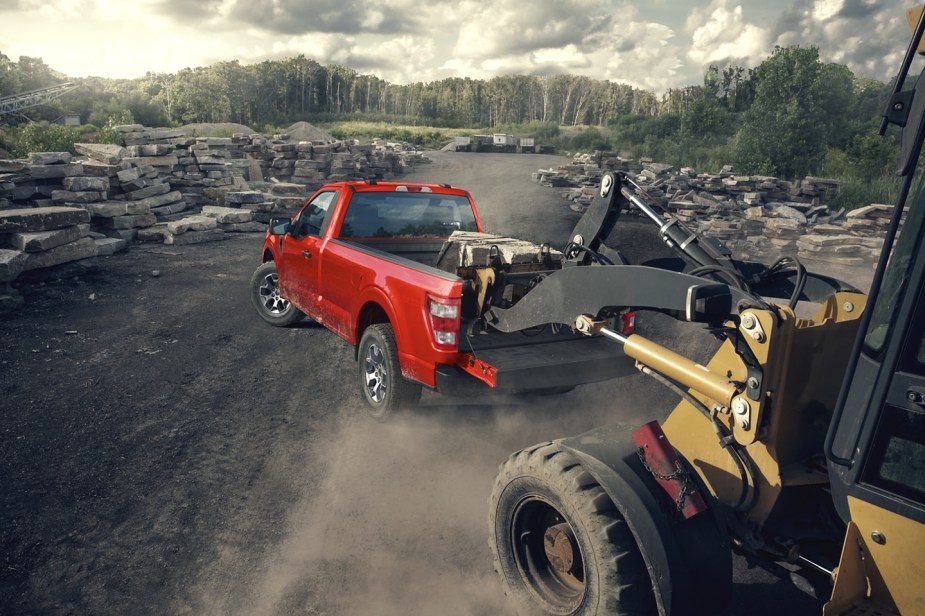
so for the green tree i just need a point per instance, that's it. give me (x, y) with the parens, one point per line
(799, 106)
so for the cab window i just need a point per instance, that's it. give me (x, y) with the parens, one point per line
(407, 215)
(314, 217)
(895, 279)
(897, 456)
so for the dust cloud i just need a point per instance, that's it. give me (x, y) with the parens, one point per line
(398, 523)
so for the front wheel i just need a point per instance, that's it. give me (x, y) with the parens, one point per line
(559, 542)
(271, 306)
(381, 383)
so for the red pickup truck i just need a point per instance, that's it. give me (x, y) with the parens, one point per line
(364, 259)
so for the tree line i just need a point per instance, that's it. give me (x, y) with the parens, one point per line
(789, 116)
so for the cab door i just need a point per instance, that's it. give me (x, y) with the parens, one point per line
(300, 253)
(877, 457)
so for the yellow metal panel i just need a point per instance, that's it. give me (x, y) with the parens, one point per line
(803, 363)
(895, 568)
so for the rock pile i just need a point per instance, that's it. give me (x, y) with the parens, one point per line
(753, 215)
(163, 185)
(41, 237)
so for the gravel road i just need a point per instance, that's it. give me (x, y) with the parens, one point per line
(163, 451)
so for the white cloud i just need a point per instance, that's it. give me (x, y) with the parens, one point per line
(719, 34)
(401, 59)
(646, 45)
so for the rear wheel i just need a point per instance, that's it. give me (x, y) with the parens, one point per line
(271, 306)
(381, 383)
(559, 542)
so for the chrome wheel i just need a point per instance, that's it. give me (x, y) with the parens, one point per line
(270, 299)
(377, 376)
(271, 306)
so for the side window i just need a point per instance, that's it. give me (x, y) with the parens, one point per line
(897, 457)
(913, 358)
(314, 217)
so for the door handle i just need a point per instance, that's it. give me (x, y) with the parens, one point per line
(307, 254)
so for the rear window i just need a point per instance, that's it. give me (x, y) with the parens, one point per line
(407, 214)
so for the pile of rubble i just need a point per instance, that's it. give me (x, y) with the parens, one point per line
(753, 215)
(161, 185)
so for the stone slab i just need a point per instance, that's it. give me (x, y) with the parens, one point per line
(161, 200)
(27, 220)
(170, 209)
(129, 175)
(109, 246)
(466, 249)
(84, 183)
(111, 209)
(148, 191)
(50, 158)
(192, 223)
(75, 196)
(47, 172)
(195, 237)
(227, 215)
(41, 241)
(155, 233)
(108, 153)
(12, 263)
(135, 221)
(84, 248)
(154, 161)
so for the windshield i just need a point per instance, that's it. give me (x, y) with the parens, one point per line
(407, 215)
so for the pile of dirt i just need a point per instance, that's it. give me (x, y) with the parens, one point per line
(303, 131)
(217, 129)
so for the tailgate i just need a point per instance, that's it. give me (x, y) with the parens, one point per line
(521, 362)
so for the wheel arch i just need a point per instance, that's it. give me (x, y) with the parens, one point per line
(666, 544)
(370, 313)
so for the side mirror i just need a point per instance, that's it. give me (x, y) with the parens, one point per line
(279, 226)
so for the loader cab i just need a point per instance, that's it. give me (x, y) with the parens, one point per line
(876, 443)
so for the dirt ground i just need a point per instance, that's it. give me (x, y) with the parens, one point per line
(163, 451)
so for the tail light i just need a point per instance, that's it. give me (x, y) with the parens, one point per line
(629, 322)
(443, 315)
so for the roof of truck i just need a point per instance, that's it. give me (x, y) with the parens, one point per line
(376, 186)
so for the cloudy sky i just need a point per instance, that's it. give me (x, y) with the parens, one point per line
(652, 44)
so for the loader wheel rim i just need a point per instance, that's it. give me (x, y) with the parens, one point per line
(548, 555)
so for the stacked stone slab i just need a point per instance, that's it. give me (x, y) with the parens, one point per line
(41, 237)
(753, 215)
(232, 220)
(160, 175)
(194, 229)
(255, 203)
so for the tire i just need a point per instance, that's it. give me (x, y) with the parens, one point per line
(559, 543)
(270, 305)
(381, 383)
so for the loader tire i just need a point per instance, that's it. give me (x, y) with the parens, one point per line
(559, 543)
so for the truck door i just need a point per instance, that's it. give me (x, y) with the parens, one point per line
(300, 253)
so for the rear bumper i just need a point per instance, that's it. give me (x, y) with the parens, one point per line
(552, 364)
